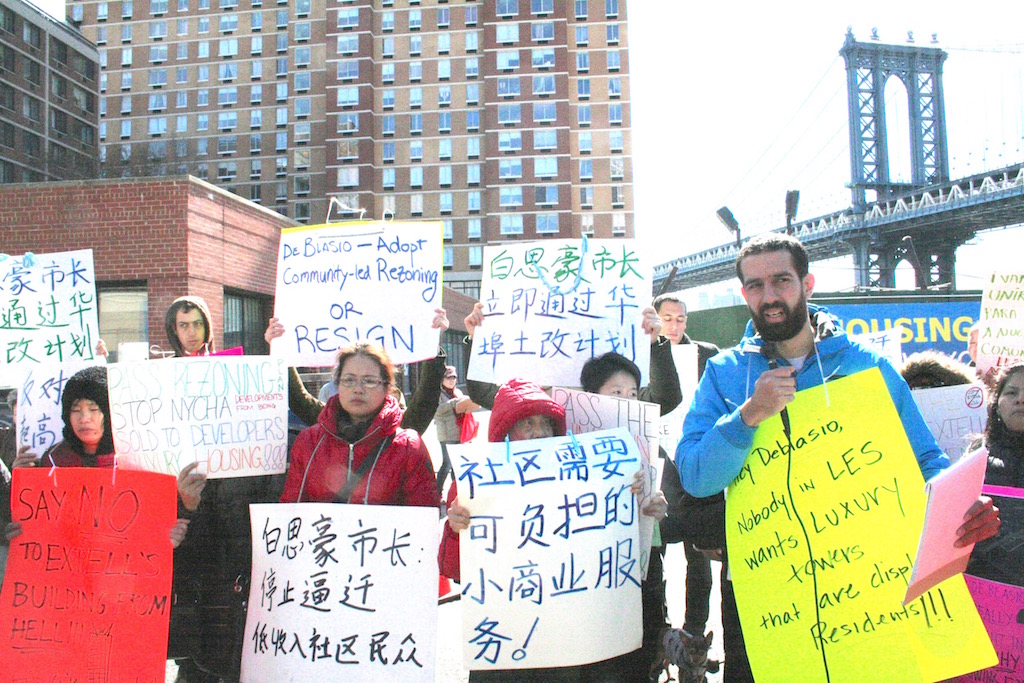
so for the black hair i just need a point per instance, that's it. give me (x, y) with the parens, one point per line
(775, 241)
(600, 369)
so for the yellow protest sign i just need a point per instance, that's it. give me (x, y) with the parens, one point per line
(821, 539)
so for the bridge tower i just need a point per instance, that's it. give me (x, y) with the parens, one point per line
(868, 67)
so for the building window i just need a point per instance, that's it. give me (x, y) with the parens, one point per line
(476, 256)
(415, 20)
(613, 60)
(583, 88)
(471, 15)
(510, 168)
(508, 114)
(547, 223)
(123, 315)
(586, 143)
(544, 85)
(545, 195)
(586, 169)
(583, 114)
(542, 31)
(245, 321)
(510, 141)
(618, 223)
(473, 228)
(611, 9)
(445, 199)
(510, 196)
(582, 36)
(444, 149)
(472, 70)
(507, 8)
(512, 224)
(615, 140)
(543, 112)
(583, 62)
(615, 114)
(473, 201)
(507, 34)
(545, 167)
(587, 197)
(587, 224)
(448, 258)
(508, 86)
(581, 9)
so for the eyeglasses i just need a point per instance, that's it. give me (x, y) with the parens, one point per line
(350, 381)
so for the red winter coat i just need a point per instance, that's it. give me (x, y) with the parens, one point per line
(514, 401)
(402, 475)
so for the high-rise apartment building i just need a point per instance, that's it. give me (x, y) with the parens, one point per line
(48, 97)
(504, 119)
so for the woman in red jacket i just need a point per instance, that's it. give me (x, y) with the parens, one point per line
(357, 451)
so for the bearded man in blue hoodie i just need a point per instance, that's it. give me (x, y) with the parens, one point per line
(788, 346)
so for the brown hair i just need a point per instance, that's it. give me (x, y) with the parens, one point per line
(371, 351)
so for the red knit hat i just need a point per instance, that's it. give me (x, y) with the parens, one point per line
(519, 399)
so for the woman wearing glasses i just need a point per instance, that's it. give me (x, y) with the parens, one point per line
(357, 451)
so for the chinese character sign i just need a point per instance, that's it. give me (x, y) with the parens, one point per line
(40, 419)
(87, 594)
(550, 563)
(1001, 328)
(362, 282)
(831, 524)
(341, 592)
(585, 413)
(955, 415)
(47, 308)
(551, 306)
(228, 412)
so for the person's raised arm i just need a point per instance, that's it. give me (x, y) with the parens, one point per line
(482, 393)
(423, 404)
(300, 401)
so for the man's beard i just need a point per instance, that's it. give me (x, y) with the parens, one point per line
(792, 322)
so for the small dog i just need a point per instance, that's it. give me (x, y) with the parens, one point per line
(690, 654)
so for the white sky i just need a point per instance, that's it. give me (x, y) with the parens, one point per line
(735, 103)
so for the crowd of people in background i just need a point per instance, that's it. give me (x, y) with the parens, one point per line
(363, 445)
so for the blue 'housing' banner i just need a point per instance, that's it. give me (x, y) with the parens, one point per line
(939, 325)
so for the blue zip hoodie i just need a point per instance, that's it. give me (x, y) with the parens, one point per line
(716, 441)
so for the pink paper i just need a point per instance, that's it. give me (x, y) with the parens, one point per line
(950, 494)
(1001, 607)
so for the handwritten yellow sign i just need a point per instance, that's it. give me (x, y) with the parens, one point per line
(821, 538)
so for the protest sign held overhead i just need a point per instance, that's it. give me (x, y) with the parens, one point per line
(551, 306)
(585, 413)
(831, 524)
(229, 413)
(47, 308)
(40, 418)
(87, 594)
(1001, 327)
(955, 415)
(550, 557)
(341, 592)
(376, 282)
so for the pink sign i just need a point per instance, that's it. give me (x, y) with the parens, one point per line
(1001, 607)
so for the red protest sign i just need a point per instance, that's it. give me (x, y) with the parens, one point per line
(87, 590)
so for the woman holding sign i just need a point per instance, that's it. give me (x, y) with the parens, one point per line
(88, 440)
(357, 451)
(1002, 558)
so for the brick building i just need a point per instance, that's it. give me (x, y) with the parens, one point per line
(505, 119)
(154, 240)
(48, 97)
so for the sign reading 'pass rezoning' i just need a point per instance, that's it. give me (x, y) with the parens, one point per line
(831, 524)
(345, 283)
(228, 412)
